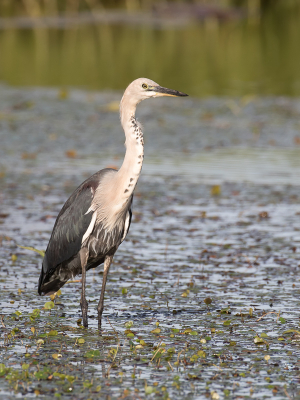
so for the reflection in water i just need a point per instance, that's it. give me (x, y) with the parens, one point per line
(212, 58)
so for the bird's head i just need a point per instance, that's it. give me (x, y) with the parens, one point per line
(143, 88)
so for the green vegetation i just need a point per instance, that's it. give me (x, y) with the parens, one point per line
(258, 54)
(186, 359)
(46, 7)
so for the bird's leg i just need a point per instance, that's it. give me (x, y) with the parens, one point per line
(107, 263)
(83, 302)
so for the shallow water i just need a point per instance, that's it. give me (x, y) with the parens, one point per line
(212, 218)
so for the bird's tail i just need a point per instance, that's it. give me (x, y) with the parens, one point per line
(51, 281)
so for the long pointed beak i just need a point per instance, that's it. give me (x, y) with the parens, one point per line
(162, 91)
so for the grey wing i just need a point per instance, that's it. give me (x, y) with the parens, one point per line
(70, 227)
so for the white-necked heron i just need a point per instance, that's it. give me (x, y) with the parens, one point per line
(96, 218)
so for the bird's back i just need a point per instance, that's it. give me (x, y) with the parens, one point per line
(76, 227)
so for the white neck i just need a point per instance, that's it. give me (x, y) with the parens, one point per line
(130, 170)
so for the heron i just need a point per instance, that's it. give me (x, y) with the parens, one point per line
(96, 218)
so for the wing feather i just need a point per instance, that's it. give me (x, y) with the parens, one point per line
(70, 226)
(76, 227)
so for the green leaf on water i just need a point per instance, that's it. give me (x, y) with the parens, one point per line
(41, 375)
(124, 290)
(52, 333)
(127, 331)
(171, 350)
(81, 340)
(57, 356)
(92, 353)
(58, 375)
(156, 330)
(226, 323)
(49, 305)
(291, 331)
(282, 320)
(35, 314)
(3, 370)
(15, 330)
(25, 367)
(70, 378)
(128, 324)
(149, 390)
(225, 311)
(258, 340)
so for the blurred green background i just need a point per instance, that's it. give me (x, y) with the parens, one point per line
(221, 47)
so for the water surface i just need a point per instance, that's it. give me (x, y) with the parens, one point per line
(202, 299)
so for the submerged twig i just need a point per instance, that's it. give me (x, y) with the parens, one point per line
(217, 367)
(40, 252)
(160, 348)
(286, 393)
(270, 312)
(165, 297)
(2, 318)
(112, 327)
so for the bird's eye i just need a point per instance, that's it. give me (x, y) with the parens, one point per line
(144, 86)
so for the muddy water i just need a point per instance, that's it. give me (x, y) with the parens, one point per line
(202, 299)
